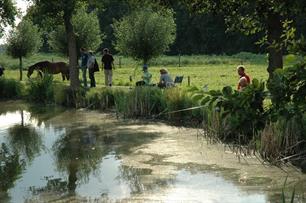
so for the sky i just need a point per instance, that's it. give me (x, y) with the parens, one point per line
(21, 5)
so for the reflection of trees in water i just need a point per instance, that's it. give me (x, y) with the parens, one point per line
(25, 140)
(10, 169)
(79, 152)
(137, 178)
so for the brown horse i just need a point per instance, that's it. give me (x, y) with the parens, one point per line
(51, 68)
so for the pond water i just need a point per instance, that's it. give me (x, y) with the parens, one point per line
(60, 155)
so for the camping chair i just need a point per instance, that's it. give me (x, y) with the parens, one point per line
(178, 79)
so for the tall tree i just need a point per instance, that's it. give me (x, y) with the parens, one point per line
(251, 17)
(7, 14)
(23, 41)
(86, 27)
(63, 10)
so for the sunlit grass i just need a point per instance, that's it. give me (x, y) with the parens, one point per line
(214, 71)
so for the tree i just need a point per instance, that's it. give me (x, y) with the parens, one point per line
(7, 14)
(86, 27)
(23, 41)
(251, 17)
(145, 34)
(63, 10)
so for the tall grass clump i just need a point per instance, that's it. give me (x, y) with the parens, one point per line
(60, 93)
(10, 89)
(140, 102)
(41, 90)
(100, 98)
(178, 103)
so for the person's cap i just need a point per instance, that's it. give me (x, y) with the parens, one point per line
(105, 50)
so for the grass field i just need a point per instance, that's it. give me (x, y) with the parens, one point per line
(214, 71)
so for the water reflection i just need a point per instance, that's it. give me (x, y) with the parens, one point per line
(24, 139)
(79, 152)
(10, 169)
(93, 157)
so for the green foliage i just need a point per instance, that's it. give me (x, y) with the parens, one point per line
(10, 89)
(7, 14)
(145, 34)
(100, 98)
(59, 92)
(24, 40)
(86, 28)
(41, 89)
(288, 90)
(242, 113)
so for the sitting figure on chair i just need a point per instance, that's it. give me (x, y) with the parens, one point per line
(146, 77)
(165, 79)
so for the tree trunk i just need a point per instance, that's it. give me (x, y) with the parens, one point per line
(20, 68)
(73, 60)
(274, 28)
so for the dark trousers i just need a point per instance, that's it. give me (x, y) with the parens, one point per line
(92, 78)
(140, 83)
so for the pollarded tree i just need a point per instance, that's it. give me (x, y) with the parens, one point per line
(86, 27)
(7, 14)
(145, 33)
(249, 16)
(23, 41)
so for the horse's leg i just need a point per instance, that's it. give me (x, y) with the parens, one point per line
(63, 76)
(40, 74)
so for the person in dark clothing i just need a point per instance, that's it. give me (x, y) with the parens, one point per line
(108, 65)
(84, 60)
(91, 68)
(1, 70)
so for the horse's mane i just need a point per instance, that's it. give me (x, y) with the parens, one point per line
(40, 64)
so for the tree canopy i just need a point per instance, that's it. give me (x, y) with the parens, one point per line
(86, 27)
(145, 34)
(23, 41)
(7, 14)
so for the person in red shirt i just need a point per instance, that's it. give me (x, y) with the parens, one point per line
(244, 78)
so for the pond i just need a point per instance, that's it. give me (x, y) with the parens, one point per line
(62, 155)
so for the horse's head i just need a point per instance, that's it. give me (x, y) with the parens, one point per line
(30, 71)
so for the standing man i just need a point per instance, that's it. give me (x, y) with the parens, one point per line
(244, 78)
(84, 60)
(108, 65)
(91, 68)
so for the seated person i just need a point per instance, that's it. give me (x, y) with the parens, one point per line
(1, 70)
(165, 79)
(242, 74)
(146, 77)
(243, 82)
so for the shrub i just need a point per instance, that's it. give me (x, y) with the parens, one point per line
(10, 88)
(41, 89)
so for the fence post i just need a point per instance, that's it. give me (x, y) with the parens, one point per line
(179, 60)
(119, 61)
(188, 79)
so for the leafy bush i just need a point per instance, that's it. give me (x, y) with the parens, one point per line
(242, 114)
(100, 98)
(10, 89)
(41, 89)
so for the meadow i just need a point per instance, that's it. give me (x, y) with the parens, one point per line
(211, 70)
